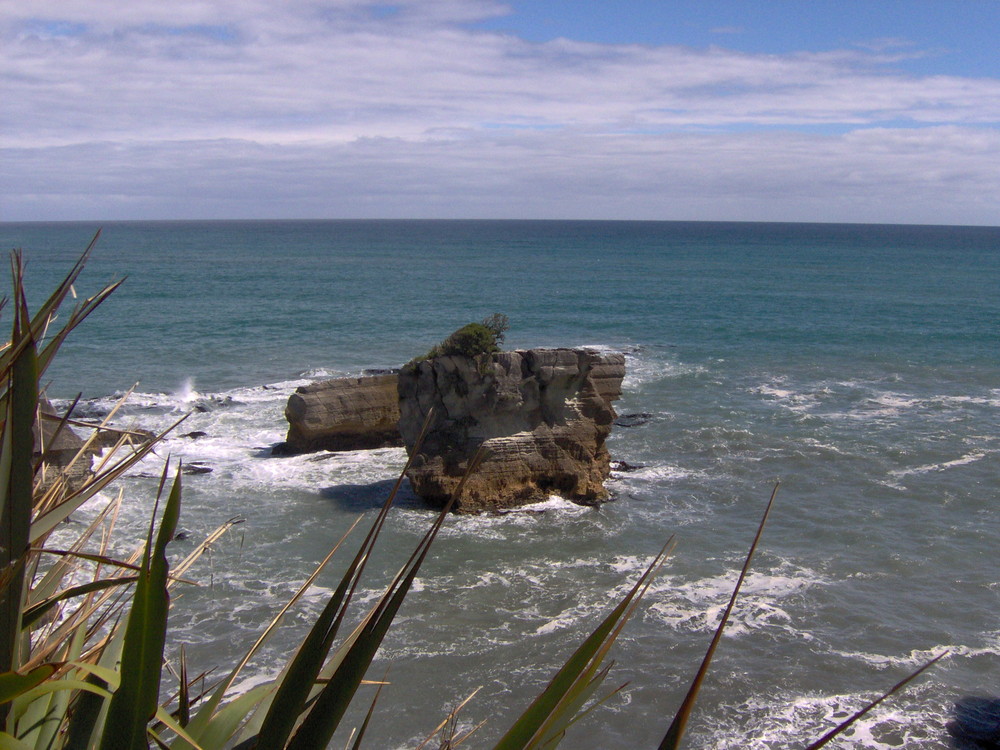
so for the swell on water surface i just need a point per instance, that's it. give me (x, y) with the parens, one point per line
(856, 365)
(504, 596)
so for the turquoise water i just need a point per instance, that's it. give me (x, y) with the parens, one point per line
(858, 364)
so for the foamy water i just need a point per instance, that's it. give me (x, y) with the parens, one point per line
(754, 353)
(506, 595)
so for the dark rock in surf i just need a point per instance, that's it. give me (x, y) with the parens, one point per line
(633, 420)
(62, 452)
(282, 449)
(624, 466)
(977, 722)
(110, 436)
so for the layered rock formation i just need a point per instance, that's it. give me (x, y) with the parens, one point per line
(60, 450)
(542, 414)
(57, 446)
(343, 414)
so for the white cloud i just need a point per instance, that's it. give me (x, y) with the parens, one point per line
(360, 108)
(938, 175)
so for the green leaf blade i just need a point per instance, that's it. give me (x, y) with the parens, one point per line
(13, 684)
(134, 703)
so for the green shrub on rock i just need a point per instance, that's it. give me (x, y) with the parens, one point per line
(471, 340)
(498, 323)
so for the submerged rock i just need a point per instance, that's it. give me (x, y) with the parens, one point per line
(633, 420)
(134, 437)
(625, 466)
(542, 414)
(343, 414)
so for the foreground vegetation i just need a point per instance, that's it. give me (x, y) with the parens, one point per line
(83, 633)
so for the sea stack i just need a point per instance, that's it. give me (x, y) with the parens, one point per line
(343, 414)
(543, 416)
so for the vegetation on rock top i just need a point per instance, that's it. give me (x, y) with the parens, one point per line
(471, 340)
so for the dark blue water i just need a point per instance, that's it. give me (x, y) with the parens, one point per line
(246, 302)
(859, 364)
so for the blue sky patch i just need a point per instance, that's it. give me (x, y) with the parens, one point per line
(51, 29)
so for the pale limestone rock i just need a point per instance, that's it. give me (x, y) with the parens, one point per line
(543, 415)
(343, 414)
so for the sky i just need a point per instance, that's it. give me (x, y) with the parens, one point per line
(809, 110)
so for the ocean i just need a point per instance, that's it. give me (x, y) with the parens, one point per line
(856, 364)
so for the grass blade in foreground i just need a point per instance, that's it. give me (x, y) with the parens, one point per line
(368, 716)
(134, 703)
(448, 728)
(20, 403)
(324, 717)
(13, 684)
(215, 722)
(844, 725)
(676, 732)
(292, 694)
(549, 708)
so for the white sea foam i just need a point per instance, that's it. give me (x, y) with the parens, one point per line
(319, 373)
(918, 657)
(186, 393)
(892, 404)
(822, 446)
(564, 620)
(698, 605)
(772, 390)
(599, 348)
(968, 458)
(627, 565)
(861, 401)
(658, 473)
(794, 400)
(552, 502)
(789, 720)
(496, 526)
(895, 401)
(644, 366)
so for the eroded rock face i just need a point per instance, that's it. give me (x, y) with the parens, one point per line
(61, 451)
(56, 447)
(343, 414)
(543, 415)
